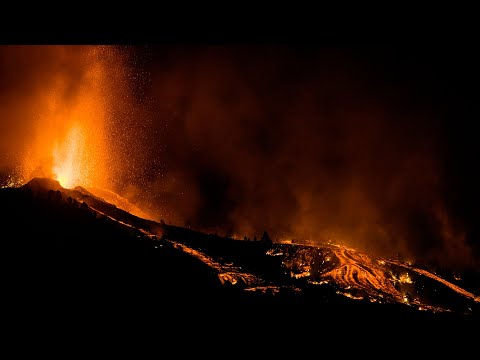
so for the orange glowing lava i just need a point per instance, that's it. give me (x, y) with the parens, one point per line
(67, 158)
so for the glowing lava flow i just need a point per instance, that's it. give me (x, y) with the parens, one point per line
(360, 271)
(360, 276)
(226, 273)
(443, 281)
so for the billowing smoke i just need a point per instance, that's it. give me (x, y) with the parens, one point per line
(310, 144)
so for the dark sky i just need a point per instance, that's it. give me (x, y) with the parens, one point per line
(373, 145)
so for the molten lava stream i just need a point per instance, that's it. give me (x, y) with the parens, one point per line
(357, 270)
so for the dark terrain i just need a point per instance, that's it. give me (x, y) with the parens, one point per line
(68, 269)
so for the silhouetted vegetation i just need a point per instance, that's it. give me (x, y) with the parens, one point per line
(266, 238)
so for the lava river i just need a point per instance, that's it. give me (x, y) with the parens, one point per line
(360, 276)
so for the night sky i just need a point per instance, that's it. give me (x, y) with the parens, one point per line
(373, 145)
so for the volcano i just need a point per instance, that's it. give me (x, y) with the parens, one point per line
(72, 256)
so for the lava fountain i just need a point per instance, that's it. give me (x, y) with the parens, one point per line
(69, 130)
(66, 117)
(67, 156)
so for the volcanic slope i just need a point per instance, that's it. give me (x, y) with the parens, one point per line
(71, 256)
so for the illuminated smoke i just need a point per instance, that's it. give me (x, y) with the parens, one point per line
(308, 144)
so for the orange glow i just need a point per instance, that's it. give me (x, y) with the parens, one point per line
(76, 133)
(67, 158)
(69, 135)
